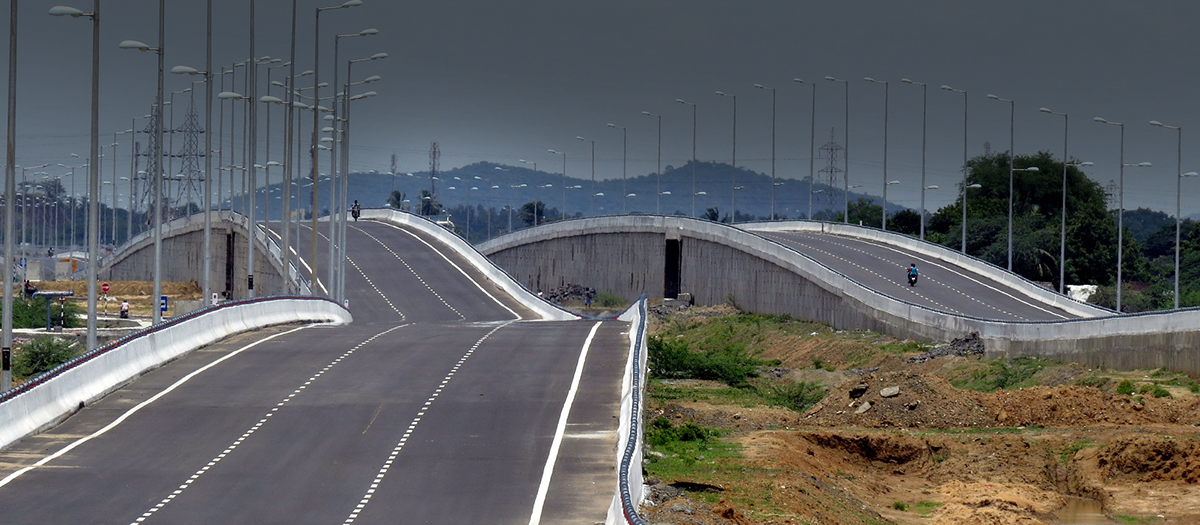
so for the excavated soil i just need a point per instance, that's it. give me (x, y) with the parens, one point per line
(897, 443)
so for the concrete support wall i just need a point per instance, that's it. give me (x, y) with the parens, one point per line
(183, 257)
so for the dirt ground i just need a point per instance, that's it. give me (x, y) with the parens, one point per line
(923, 451)
(138, 293)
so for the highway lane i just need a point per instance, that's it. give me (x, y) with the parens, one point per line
(437, 405)
(942, 286)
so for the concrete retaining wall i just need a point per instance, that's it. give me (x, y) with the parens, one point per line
(763, 276)
(183, 256)
(44, 401)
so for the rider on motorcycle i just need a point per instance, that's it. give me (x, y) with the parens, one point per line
(912, 274)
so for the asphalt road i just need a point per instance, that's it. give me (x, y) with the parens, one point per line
(440, 403)
(941, 286)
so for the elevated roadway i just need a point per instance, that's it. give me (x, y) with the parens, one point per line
(440, 403)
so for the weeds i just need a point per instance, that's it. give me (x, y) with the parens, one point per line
(1003, 374)
(41, 355)
(729, 363)
(798, 396)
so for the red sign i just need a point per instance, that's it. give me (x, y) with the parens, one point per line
(104, 287)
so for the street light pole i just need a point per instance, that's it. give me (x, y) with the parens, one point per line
(624, 166)
(760, 86)
(964, 167)
(883, 222)
(1121, 204)
(658, 193)
(592, 205)
(1011, 156)
(316, 130)
(1062, 243)
(924, 120)
(93, 173)
(693, 105)
(563, 213)
(733, 165)
(10, 191)
(846, 155)
(812, 145)
(1178, 194)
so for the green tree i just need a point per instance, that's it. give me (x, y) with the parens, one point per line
(429, 204)
(528, 210)
(1036, 220)
(396, 199)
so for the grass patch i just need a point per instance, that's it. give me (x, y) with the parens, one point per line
(609, 300)
(729, 362)
(1002, 374)
(686, 451)
(926, 508)
(1069, 451)
(900, 506)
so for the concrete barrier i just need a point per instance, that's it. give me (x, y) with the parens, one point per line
(47, 399)
(631, 488)
(547, 310)
(942, 253)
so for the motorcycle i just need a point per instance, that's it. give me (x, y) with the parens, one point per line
(912, 279)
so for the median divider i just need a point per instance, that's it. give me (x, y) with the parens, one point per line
(631, 488)
(49, 398)
(547, 310)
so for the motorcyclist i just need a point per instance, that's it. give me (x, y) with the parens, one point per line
(912, 274)
(356, 210)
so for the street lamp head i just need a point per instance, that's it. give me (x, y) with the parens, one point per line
(1045, 110)
(369, 31)
(372, 78)
(378, 56)
(134, 44)
(1189, 174)
(60, 10)
(647, 113)
(932, 187)
(230, 95)
(799, 80)
(611, 125)
(868, 79)
(186, 70)
(271, 100)
(577, 137)
(974, 186)
(993, 97)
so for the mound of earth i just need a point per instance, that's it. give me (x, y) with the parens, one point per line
(1064, 406)
(992, 504)
(899, 400)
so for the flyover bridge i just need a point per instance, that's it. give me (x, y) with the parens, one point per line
(848, 276)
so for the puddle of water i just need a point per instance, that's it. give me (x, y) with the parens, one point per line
(1083, 511)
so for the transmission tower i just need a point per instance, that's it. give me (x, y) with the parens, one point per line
(190, 178)
(831, 173)
(435, 158)
(1110, 194)
(142, 178)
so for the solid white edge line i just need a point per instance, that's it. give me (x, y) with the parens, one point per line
(540, 501)
(456, 267)
(140, 406)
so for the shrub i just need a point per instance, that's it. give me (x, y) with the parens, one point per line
(1125, 388)
(41, 355)
(729, 362)
(798, 396)
(662, 433)
(900, 506)
(31, 313)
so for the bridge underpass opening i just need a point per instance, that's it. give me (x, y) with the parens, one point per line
(671, 270)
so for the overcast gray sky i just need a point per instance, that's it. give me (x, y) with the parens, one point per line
(499, 81)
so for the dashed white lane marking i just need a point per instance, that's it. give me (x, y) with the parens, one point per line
(237, 442)
(890, 279)
(456, 267)
(412, 426)
(415, 274)
(377, 290)
(140, 406)
(539, 502)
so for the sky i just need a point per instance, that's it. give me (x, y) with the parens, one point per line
(502, 81)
